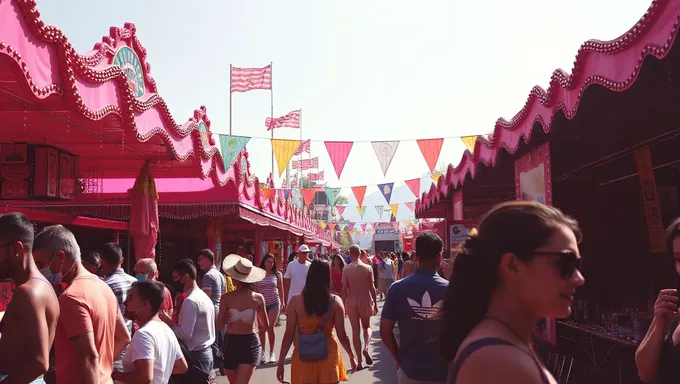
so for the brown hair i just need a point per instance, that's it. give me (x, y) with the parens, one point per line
(519, 227)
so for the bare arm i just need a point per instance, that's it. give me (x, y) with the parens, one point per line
(649, 352)
(509, 367)
(221, 319)
(180, 367)
(339, 323)
(291, 326)
(262, 318)
(286, 288)
(279, 282)
(122, 336)
(87, 357)
(387, 336)
(345, 287)
(143, 373)
(372, 291)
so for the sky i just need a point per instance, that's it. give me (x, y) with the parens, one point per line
(360, 70)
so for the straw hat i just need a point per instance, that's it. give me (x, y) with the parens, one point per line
(241, 269)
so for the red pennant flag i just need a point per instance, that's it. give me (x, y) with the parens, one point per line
(430, 148)
(414, 186)
(308, 195)
(341, 209)
(350, 225)
(338, 152)
(359, 193)
(267, 192)
(410, 205)
(363, 227)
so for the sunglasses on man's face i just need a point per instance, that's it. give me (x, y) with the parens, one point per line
(567, 262)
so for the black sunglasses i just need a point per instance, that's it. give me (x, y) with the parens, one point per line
(568, 262)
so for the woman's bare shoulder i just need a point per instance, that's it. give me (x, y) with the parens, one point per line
(510, 366)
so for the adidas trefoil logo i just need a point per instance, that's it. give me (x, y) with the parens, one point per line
(425, 309)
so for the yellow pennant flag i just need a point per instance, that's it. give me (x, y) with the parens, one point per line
(361, 210)
(469, 142)
(394, 208)
(406, 222)
(436, 177)
(283, 152)
(322, 224)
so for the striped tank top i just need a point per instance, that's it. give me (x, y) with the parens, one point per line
(269, 288)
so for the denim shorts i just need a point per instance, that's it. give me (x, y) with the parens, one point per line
(269, 307)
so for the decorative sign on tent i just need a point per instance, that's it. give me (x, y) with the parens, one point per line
(414, 186)
(283, 152)
(430, 148)
(385, 151)
(386, 190)
(361, 210)
(359, 193)
(338, 151)
(380, 209)
(230, 147)
(394, 208)
(332, 195)
(340, 209)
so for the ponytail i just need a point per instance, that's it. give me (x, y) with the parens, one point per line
(467, 297)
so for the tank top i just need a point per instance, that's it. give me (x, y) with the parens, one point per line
(487, 342)
(269, 288)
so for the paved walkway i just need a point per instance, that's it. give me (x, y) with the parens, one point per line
(383, 369)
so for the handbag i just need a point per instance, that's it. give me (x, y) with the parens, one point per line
(314, 346)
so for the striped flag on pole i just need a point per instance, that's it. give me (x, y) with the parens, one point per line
(291, 120)
(248, 79)
(306, 164)
(305, 146)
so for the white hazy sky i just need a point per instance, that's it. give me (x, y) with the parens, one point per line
(360, 69)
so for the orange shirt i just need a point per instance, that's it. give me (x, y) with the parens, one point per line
(87, 305)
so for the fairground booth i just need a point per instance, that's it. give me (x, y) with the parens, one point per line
(86, 141)
(600, 144)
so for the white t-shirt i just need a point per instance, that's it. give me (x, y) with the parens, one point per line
(154, 341)
(297, 273)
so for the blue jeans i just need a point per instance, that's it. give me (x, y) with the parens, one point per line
(200, 366)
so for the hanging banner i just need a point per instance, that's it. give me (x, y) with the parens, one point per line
(338, 152)
(411, 206)
(395, 225)
(394, 208)
(414, 186)
(286, 193)
(308, 195)
(469, 142)
(380, 209)
(230, 147)
(458, 205)
(340, 209)
(350, 225)
(332, 195)
(361, 210)
(363, 227)
(386, 190)
(430, 148)
(359, 193)
(650, 199)
(385, 151)
(436, 177)
(385, 229)
(283, 152)
(267, 192)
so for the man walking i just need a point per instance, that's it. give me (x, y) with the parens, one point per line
(119, 281)
(413, 303)
(358, 294)
(214, 285)
(296, 274)
(30, 320)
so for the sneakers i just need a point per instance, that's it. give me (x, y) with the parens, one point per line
(272, 358)
(264, 357)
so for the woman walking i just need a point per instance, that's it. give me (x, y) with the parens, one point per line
(271, 287)
(315, 311)
(336, 273)
(241, 308)
(521, 267)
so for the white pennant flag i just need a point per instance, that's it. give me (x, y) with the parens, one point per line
(380, 209)
(385, 151)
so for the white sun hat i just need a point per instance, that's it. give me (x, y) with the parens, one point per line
(304, 248)
(241, 269)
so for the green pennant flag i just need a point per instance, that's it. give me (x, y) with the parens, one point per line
(332, 194)
(230, 147)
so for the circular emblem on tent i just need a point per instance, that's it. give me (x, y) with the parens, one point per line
(127, 60)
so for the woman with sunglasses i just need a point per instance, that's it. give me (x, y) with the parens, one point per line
(519, 268)
(658, 356)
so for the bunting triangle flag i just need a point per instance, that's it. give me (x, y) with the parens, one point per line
(332, 226)
(430, 148)
(286, 193)
(359, 193)
(394, 208)
(380, 209)
(308, 195)
(230, 147)
(363, 227)
(414, 186)
(340, 209)
(411, 206)
(436, 177)
(267, 192)
(351, 225)
(386, 190)
(338, 152)
(283, 152)
(361, 210)
(385, 151)
(322, 224)
(332, 195)
(469, 142)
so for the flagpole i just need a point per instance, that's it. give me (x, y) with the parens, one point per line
(230, 74)
(271, 93)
